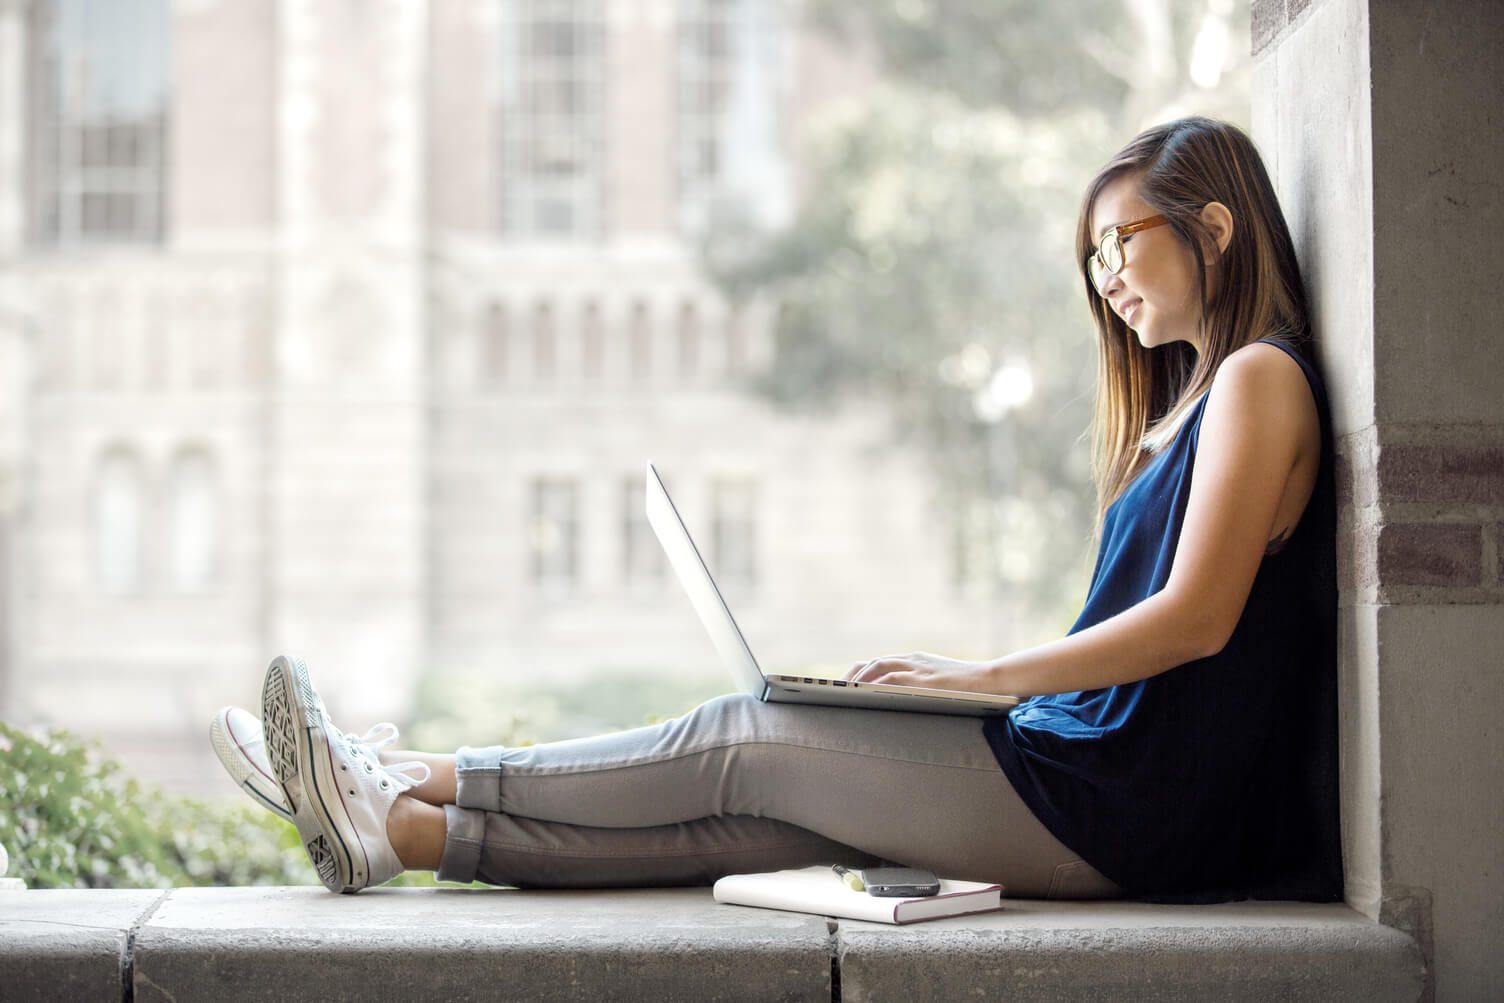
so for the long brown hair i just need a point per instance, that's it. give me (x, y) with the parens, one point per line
(1143, 395)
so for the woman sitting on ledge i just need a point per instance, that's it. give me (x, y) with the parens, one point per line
(1179, 742)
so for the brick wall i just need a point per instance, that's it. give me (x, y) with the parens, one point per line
(1421, 515)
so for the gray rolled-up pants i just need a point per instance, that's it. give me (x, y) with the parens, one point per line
(738, 786)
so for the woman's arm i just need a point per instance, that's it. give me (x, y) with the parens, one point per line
(1255, 467)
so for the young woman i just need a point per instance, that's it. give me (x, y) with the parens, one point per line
(1180, 740)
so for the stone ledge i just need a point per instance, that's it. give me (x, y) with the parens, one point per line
(1132, 951)
(674, 944)
(68, 945)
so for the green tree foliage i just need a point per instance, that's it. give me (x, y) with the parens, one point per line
(931, 264)
(1129, 62)
(988, 53)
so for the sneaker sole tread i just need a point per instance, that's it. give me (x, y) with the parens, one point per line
(293, 722)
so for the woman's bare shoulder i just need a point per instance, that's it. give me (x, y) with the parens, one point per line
(1262, 360)
(1262, 373)
(1260, 391)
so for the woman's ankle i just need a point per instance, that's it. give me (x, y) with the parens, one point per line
(416, 831)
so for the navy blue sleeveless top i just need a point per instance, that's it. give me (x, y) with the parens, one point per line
(1218, 778)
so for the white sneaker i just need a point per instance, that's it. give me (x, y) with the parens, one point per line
(241, 748)
(339, 795)
(238, 743)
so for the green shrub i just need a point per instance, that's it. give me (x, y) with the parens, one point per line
(70, 817)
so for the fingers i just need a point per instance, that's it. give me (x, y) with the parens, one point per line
(858, 671)
(879, 670)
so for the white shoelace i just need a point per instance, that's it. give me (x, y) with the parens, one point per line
(405, 776)
(378, 737)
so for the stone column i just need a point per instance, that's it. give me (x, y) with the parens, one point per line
(346, 477)
(1380, 121)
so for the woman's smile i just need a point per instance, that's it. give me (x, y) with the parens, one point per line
(1158, 270)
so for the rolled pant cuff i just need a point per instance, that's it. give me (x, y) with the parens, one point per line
(464, 832)
(477, 774)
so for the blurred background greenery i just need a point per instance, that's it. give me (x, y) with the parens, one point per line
(931, 263)
(71, 817)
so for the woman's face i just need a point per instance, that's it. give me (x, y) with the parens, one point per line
(1155, 292)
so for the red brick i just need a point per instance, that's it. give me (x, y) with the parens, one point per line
(1442, 474)
(1421, 554)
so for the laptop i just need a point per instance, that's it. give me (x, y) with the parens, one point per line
(727, 637)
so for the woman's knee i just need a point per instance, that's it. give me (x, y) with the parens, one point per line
(733, 715)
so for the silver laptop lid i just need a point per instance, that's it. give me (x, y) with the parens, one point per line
(703, 594)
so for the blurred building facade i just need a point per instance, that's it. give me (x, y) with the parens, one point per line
(346, 328)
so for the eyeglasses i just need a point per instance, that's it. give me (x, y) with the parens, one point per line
(1108, 259)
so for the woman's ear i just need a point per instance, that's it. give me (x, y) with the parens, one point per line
(1218, 221)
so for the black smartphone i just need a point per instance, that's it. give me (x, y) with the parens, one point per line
(900, 882)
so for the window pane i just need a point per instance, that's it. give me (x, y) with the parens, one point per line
(550, 118)
(496, 336)
(545, 343)
(689, 341)
(93, 146)
(592, 343)
(642, 555)
(95, 217)
(122, 213)
(734, 530)
(640, 343)
(98, 112)
(728, 109)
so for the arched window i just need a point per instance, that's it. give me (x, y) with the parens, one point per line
(193, 529)
(119, 520)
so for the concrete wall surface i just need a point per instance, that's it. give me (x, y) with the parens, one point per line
(1438, 140)
(1380, 121)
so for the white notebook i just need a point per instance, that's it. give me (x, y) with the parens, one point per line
(820, 891)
